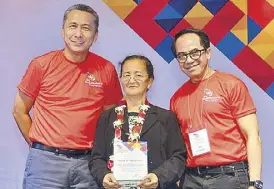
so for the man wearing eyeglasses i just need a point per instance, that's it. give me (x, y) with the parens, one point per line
(218, 121)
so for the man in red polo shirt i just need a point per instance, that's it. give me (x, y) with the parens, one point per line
(68, 89)
(218, 121)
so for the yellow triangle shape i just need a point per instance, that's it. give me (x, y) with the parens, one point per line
(240, 30)
(112, 3)
(270, 28)
(123, 11)
(241, 4)
(263, 50)
(263, 38)
(198, 16)
(198, 11)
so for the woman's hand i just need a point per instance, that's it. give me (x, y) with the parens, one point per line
(109, 181)
(149, 181)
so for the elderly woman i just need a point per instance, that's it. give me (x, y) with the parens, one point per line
(160, 129)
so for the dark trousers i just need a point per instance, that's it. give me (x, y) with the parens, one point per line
(232, 176)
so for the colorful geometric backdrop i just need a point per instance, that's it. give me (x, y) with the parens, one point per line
(243, 30)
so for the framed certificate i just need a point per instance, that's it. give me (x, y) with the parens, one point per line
(130, 163)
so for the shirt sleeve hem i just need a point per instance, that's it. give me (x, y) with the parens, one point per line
(245, 113)
(26, 92)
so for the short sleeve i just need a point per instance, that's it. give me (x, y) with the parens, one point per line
(240, 101)
(113, 92)
(30, 84)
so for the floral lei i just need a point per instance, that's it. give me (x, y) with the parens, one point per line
(134, 135)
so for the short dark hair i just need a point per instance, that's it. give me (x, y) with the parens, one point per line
(149, 66)
(85, 8)
(204, 39)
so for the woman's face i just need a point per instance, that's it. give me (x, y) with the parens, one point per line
(135, 80)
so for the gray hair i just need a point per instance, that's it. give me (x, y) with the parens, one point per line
(85, 8)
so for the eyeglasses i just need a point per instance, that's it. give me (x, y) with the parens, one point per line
(194, 55)
(137, 77)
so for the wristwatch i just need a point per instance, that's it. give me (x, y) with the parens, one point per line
(257, 184)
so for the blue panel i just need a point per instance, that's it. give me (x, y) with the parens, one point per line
(168, 24)
(164, 49)
(182, 6)
(253, 29)
(167, 13)
(137, 1)
(270, 90)
(213, 5)
(230, 45)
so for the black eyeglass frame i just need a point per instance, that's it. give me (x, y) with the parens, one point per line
(191, 54)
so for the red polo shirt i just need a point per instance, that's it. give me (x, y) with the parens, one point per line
(69, 97)
(220, 100)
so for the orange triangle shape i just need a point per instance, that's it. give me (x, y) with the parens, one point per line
(198, 22)
(270, 60)
(240, 30)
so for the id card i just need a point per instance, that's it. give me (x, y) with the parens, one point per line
(199, 142)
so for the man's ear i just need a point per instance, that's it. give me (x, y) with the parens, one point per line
(95, 37)
(208, 53)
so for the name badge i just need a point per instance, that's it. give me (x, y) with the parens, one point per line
(199, 142)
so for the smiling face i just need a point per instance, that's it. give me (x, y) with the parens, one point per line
(79, 32)
(134, 78)
(192, 56)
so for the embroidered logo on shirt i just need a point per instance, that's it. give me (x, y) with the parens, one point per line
(209, 97)
(91, 81)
